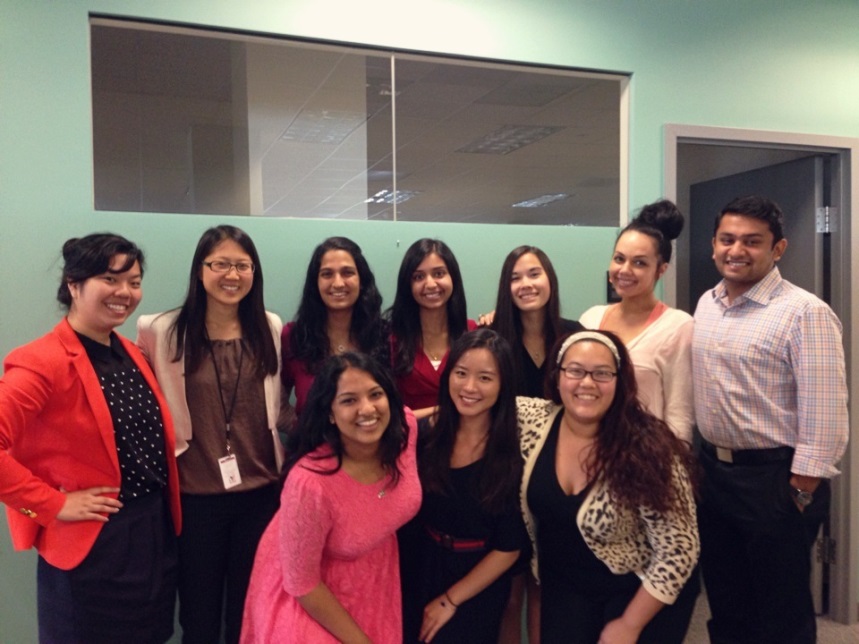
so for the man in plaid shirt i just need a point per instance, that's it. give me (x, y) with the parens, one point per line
(771, 407)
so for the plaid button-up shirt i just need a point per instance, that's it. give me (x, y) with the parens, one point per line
(768, 371)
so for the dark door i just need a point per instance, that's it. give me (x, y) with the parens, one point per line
(798, 188)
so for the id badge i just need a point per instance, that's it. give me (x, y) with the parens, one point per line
(230, 471)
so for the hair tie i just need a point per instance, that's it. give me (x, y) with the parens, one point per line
(588, 335)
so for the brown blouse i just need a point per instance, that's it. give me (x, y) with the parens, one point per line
(250, 438)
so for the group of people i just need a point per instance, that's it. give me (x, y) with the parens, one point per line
(411, 475)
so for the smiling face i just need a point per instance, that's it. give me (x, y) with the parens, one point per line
(360, 410)
(338, 280)
(431, 283)
(230, 288)
(103, 302)
(475, 383)
(635, 267)
(744, 252)
(529, 285)
(586, 401)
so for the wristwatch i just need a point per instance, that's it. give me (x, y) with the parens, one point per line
(802, 497)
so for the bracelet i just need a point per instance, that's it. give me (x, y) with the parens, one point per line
(455, 606)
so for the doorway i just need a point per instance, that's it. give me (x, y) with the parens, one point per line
(706, 163)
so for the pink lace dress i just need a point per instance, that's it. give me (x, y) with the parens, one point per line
(335, 530)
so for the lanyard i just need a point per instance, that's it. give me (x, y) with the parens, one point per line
(228, 414)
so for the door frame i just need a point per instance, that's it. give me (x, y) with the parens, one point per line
(844, 586)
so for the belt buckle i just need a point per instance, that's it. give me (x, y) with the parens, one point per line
(447, 541)
(724, 454)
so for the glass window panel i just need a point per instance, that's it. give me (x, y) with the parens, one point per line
(192, 121)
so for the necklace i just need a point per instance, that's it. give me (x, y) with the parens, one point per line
(338, 347)
(228, 411)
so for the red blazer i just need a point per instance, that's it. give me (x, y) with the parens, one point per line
(56, 432)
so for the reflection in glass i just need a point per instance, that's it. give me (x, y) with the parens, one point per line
(191, 121)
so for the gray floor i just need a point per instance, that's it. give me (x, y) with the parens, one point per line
(828, 632)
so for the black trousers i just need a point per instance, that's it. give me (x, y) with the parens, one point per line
(583, 617)
(125, 588)
(756, 553)
(219, 539)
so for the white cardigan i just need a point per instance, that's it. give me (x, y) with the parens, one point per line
(152, 337)
(662, 357)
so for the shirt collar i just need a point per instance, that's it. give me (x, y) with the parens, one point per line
(761, 293)
(98, 351)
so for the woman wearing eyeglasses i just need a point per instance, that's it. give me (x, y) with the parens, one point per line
(607, 500)
(217, 358)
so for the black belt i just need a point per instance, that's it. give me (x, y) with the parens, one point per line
(455, 544)
(747, 456)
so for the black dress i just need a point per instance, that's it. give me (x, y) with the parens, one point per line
(531, 376)
(580, 595)
(432, 567)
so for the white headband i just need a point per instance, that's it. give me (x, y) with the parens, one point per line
(588, 335)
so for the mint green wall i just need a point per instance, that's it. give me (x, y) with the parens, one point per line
(787, 65)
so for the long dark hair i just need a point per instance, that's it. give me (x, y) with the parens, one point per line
(316, 429)
(501, 465)
(404, 315)
(508, 317)
(635, 451)
(85, 257)
(308, 341)
(189, 329)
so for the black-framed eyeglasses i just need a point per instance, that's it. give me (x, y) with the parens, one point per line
(597, 375)
(220, 266)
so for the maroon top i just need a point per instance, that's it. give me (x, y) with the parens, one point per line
(419, 387)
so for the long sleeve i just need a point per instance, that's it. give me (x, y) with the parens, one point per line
(661, 548)
(817, 355)
(674, 362)
(25, 390)
(156, 344)
(674, 541)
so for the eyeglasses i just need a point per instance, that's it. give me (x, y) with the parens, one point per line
(598, 375)
(220, 266)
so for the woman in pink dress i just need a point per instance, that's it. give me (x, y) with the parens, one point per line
(327, 567)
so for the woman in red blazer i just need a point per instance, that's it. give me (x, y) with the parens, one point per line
(87, 466)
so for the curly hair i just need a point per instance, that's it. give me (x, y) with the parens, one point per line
(315, 427)
(308, 341)
(635, 451)
(501, 465)
(404, 315)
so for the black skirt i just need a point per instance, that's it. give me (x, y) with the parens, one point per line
(125, 588)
